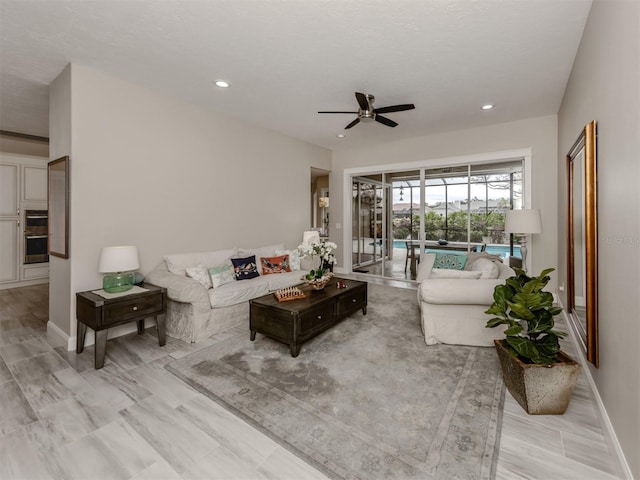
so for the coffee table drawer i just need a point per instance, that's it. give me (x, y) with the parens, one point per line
(317, 319)
(352, 301)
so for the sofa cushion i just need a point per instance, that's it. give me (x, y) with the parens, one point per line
(221, 275)
(450, 260)
(271, 265)
(237, 292)
(178, 262)
(259, 252)
(199, 273)
(451, 273)
(245, 268)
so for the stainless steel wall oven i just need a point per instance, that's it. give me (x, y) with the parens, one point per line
(36, 236)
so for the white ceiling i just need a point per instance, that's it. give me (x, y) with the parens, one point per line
(287, 59)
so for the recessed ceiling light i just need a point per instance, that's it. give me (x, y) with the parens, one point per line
(222, 84)
(341, 135)
(488, 106)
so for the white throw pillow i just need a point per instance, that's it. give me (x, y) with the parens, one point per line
(199, 273)
(488, 268)
(425, 266)
(442, 273)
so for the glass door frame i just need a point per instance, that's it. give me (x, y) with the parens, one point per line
(379, 185)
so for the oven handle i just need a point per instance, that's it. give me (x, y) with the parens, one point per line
(36, 236)
(36, 216)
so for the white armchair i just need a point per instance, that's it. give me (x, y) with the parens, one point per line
(452, 309)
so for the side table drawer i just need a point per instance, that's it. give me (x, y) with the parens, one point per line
(123, 311)
(352, 301)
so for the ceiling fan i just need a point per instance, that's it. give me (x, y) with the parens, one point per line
(366, 112)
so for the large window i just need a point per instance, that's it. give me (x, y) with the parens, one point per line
(468, 203)
(463, 206)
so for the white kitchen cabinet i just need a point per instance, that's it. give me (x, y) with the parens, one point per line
(9, 190)
(23, 184)
(10, 251)
(34, 187)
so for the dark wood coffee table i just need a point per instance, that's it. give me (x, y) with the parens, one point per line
(294, 322)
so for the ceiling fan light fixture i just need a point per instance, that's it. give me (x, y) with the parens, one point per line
(341, 135)
(368, 113)
(222, 84)
(487, 106)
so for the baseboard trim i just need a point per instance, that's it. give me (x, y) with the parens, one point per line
(611, 437)
(56, 336)
(23, 283)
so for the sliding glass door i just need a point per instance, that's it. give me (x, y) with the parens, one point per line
(368, 222)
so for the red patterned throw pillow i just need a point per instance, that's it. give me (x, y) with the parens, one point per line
(275, 264)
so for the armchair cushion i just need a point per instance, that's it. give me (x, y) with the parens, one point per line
(450, 273)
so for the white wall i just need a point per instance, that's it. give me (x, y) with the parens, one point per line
(539, 134)
(60, 293)
(605, 86)
(170, 177)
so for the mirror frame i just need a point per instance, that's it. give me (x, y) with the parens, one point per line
(588, 334)
(58, 205)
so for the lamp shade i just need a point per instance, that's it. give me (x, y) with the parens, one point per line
(118, 259)
(523, 221)
(311, 236)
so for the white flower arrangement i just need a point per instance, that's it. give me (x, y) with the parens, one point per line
(321, 250)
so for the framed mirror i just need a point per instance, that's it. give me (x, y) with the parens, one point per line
(582, 243)
(58, 198)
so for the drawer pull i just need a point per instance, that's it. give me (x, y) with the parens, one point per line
(319, 317)
(135, 309)
(353, 300)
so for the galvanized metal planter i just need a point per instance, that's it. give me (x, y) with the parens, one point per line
(539, 389)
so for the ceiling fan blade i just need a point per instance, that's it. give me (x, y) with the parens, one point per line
(352, 113)
(362, 101)
(385, 121)
(395, 108)
(355, 122)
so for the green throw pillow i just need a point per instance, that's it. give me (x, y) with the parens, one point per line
(452, 261)
(221, 275)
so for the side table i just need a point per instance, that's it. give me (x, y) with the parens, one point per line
(101, 313)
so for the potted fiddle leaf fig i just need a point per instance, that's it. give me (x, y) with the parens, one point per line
(537, 373)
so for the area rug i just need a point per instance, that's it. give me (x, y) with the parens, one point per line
(367, 399)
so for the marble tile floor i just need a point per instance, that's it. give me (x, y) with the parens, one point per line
(62, 419)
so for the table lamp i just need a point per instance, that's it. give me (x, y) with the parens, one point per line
(522, 223)
(310, 236)
(118, 263)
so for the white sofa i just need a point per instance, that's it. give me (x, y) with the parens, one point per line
(195, 312)
(452, 309)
